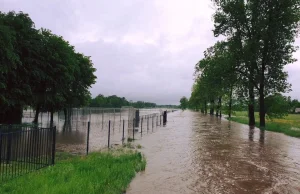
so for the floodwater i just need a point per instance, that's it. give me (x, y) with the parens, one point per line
(72, 136)
(195, 153)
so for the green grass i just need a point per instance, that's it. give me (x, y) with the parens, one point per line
(107, 173)
(290, 125)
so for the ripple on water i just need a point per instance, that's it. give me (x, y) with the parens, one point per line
(204, 154)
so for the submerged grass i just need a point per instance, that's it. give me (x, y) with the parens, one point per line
(97, 173)
(290, 125)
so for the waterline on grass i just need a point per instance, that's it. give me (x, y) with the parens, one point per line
(99, 172)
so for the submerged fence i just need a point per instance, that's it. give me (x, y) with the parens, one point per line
(24, 149)
(73, 133)
(137, 127)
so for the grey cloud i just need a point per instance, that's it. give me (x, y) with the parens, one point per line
(139, 73)
(160, 70)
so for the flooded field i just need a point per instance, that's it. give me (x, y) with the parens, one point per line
(194, 153)
(72, 134)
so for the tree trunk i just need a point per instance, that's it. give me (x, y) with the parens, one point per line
(212, 106)
(220, 106)
(230, 102)
(262, 113)
(37, 112)
(251, 107)
(65, 113)
(205, 107)
(51, 117)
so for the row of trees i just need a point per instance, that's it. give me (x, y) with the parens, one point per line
(39, 69)
(249, 64)
(117, 102)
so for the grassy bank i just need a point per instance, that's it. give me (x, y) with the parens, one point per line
(96, 173)
(290, 125)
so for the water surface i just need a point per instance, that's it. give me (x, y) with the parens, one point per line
(195, 153)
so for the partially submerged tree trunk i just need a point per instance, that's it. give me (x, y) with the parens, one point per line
(262, 113)
(230, 102)
(220, 106)
(37, 112)
(65, 113)
(212, 105)
(51, 117)
(251, 107)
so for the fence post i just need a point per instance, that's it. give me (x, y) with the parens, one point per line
(108, 143)
(8, 149)
(114, 120)
(137, 118)
(133, 129)
(165, 117)
(142, 127)
(53, 144)
(147, 124)
(88, 138)
(160, 120)
(152, 117)
(102, 117)
(123, 135)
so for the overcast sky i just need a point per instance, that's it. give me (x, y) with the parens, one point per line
(142, 49)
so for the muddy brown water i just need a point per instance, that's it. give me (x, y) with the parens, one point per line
(194, 153)
(72, 135)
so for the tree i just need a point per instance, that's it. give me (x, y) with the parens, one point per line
(39, 69)
(276, 106)
(18, 64)
(183, 103)
(264, 33)
(117, 102)
(215, 78)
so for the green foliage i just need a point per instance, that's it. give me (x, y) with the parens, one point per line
(39, 69)
(96, 173)
(276, 106)
(215, 77)
(184, 103)
(293, 104)
(249, 65)
(263, 33)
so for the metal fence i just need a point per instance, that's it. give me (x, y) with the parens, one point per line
(137, 127)
(73, 130)
(24, 149)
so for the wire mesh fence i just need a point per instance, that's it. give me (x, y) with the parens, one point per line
(73, 127)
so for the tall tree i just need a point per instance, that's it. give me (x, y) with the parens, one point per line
(184, 103)
(39, 69)
(264, 32)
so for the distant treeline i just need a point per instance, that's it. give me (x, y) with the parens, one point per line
(118, 102)
(276, 105)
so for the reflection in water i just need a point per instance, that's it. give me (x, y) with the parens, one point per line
(251, 133)
(262, 136)
(72, 134)
(69, 135)
(203, 154)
